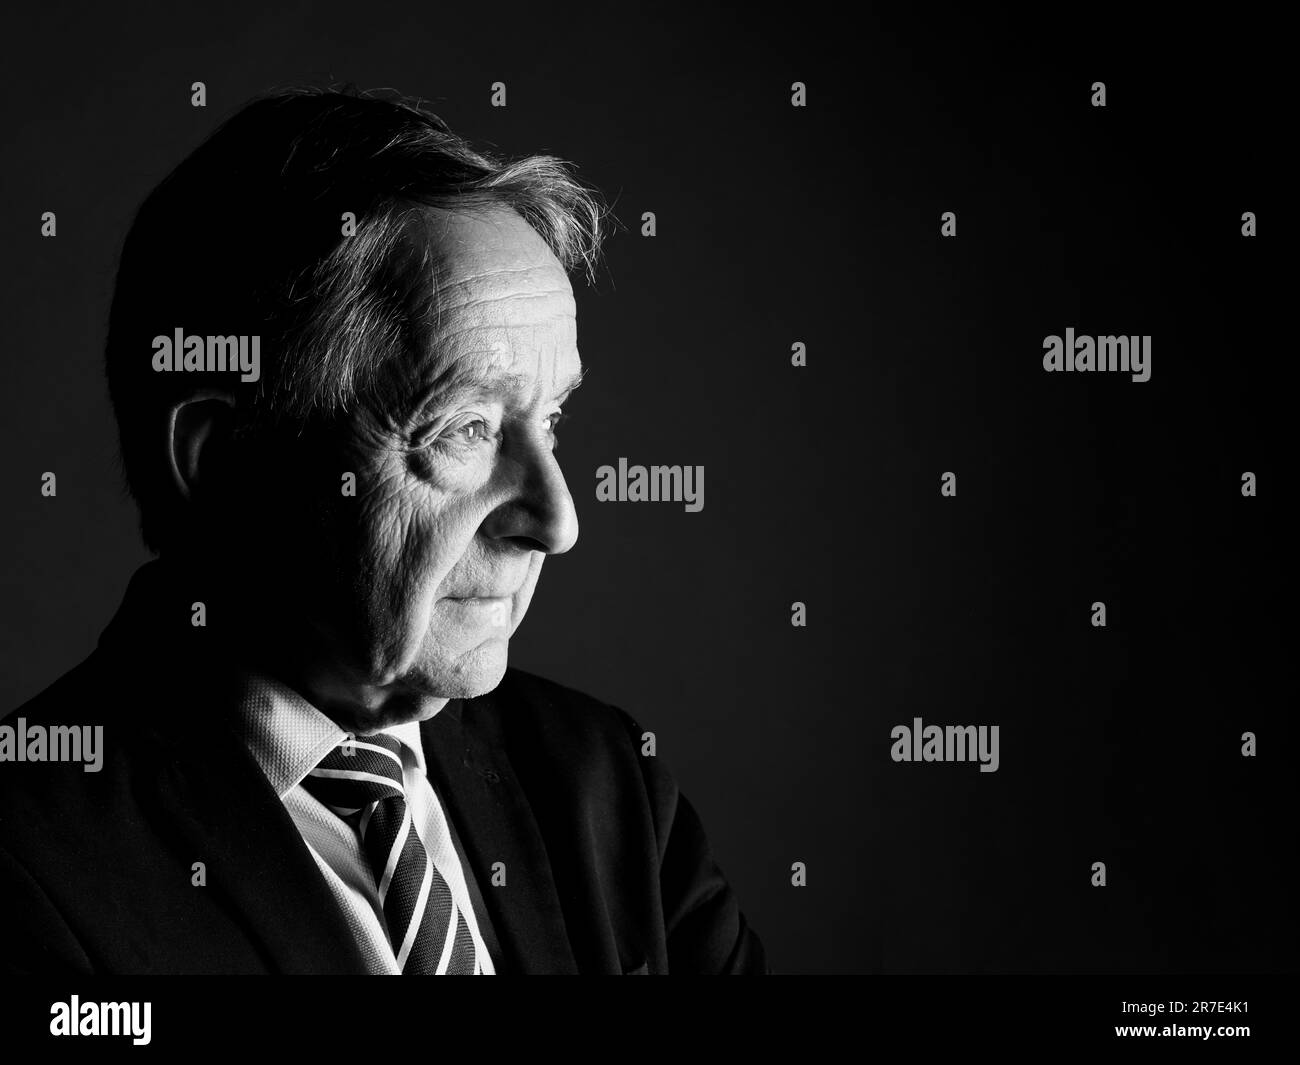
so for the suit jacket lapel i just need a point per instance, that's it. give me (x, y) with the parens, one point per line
(219, 809)
(471, 771)
(204, 790)
(215, 805)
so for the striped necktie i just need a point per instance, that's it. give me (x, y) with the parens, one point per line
(427, 932)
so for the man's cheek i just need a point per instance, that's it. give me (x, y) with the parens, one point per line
(415, 551)
(389, 516)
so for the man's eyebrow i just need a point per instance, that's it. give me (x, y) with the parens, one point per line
(462, 382)
(571, 383)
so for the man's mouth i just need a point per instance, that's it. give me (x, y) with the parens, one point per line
(489, 610)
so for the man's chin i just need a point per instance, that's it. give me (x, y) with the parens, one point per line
(474, 673)
(424, 691)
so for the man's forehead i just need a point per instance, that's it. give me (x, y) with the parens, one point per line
(493, 272)
(494, 256)
(503, 317)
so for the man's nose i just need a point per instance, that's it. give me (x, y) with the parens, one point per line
(539, 516)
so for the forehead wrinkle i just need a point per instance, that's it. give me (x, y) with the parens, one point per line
(454, 280)
(451, 331)
(483, 293)
(496, 337)
(480, 308)
(484, 345)
(457, 268)
(515, 269)
(451, 315)
(511, 297)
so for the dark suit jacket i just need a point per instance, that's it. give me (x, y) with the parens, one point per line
(606, 866)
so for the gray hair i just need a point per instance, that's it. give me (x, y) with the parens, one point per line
(246, 237)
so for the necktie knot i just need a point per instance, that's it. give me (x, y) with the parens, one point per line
(428, 934)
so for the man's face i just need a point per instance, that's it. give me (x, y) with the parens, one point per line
(459, 496)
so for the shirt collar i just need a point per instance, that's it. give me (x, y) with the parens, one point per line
(409, 734)
(288, 736)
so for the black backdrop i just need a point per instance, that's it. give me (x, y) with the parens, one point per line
(820, 225)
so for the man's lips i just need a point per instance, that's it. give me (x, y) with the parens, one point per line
(486, 597)
(492, 611)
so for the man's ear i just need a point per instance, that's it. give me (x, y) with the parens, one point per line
(199, 430)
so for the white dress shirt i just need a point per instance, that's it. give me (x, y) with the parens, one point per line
(288, 737)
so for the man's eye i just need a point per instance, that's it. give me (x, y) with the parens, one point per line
(474, 432)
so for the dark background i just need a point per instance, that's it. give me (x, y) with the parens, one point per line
(818, 225)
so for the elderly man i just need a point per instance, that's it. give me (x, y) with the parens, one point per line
(339, 348)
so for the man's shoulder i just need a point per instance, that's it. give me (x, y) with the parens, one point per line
(71, 689)
(53, 744)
